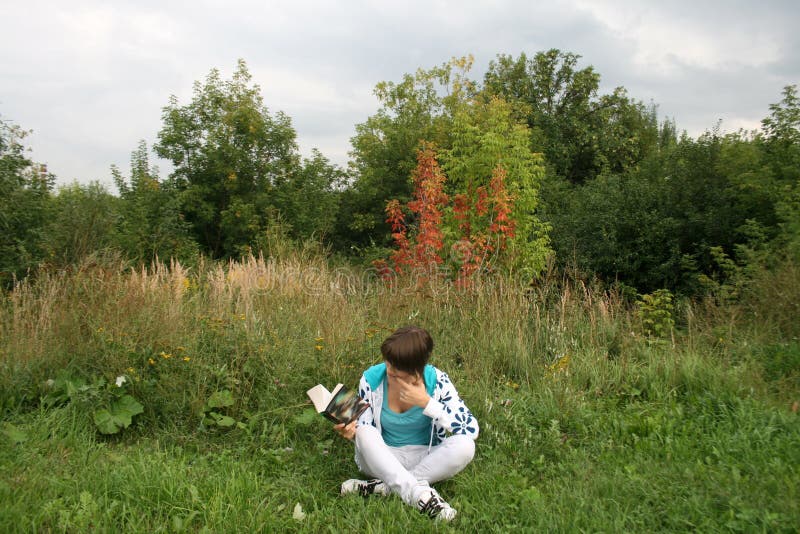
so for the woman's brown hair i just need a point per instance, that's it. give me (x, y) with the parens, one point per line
(408, 349)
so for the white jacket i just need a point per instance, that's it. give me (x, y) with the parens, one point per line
(447, 411)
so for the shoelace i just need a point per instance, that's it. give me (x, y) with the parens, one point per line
(369, 487)
(433, 507)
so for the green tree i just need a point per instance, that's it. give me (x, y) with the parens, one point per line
(580, 133)
(308, 198)
(418, 108)
(781, 145)
(228, 152)
(24, 193)
(150, 225)
(81, 221)
(485, 134)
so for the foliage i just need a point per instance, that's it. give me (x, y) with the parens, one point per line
(485, 226)
(656, 312)
(580, 133)
(24, 194)
(486, 136)
(113, 408)
(228, 153)
(213, 410)
(418, 108)
(82, 221)
(150, 225)
(782, 146)
(308, 198)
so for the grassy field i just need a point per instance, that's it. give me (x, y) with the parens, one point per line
(587, 422)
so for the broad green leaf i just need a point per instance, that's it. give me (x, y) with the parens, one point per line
(124, 409)
(220, 399)
(119, 416)
(105, 422)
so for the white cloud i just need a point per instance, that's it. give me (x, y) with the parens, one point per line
(91, 77)
(664, 36)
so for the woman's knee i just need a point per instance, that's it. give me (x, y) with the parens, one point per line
(462, 447)
(366, 434)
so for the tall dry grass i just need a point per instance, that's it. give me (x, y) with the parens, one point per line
(267, 328)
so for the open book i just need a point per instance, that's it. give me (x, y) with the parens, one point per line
(340, 405)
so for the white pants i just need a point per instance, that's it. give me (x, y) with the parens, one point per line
(409, 470)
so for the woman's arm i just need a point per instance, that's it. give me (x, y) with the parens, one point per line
(449, 411)
(368, 417)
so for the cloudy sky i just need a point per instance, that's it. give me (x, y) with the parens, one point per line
(90, 77)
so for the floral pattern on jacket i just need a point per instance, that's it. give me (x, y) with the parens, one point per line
(448, 412)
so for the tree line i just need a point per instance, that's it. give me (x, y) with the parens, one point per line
(531, 166)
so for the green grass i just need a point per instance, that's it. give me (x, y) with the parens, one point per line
(586, 424)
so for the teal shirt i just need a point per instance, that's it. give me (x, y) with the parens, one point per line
(411, 427)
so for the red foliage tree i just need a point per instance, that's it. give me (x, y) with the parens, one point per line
(485, 224)
(429, 200)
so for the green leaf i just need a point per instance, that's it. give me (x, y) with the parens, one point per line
(226, 421)
(125, 408)
(105, 422)
(307, 417)
(119, 416)
(220, 399)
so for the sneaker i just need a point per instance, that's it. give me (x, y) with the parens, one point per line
(435, 507)
(364, 487)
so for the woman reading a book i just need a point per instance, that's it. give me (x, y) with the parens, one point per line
(417, 430)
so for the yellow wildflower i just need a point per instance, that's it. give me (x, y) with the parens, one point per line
(560, 365)
(186, 358)
(318, 347)
(151, 361)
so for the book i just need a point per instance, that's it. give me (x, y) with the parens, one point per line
(341, 405)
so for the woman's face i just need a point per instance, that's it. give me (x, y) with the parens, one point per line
(394, 375)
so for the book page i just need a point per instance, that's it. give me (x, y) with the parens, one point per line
(320, 397)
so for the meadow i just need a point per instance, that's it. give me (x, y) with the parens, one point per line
(169, 399)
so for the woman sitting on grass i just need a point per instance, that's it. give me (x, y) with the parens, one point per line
(402, 440)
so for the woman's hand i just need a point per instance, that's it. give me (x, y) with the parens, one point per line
(348, 432)
(413, 392)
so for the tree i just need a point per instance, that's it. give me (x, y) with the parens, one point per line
(487, 139)
(24, 193)
(781, 145)
(308, 197)
(580, 133)
(150, 225)
(228, 153)
(82, 220)
(416, 109)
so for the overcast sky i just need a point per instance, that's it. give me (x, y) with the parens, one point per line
(90, 77)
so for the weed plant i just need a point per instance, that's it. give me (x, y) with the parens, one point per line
(588, 421)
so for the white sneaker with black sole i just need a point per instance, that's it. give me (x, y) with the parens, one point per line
(364, 487)
(431, 504)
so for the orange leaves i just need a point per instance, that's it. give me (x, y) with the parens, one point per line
(429, 199)
(422, 251)
(502, 225)
(394, 216)
(483, 217)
